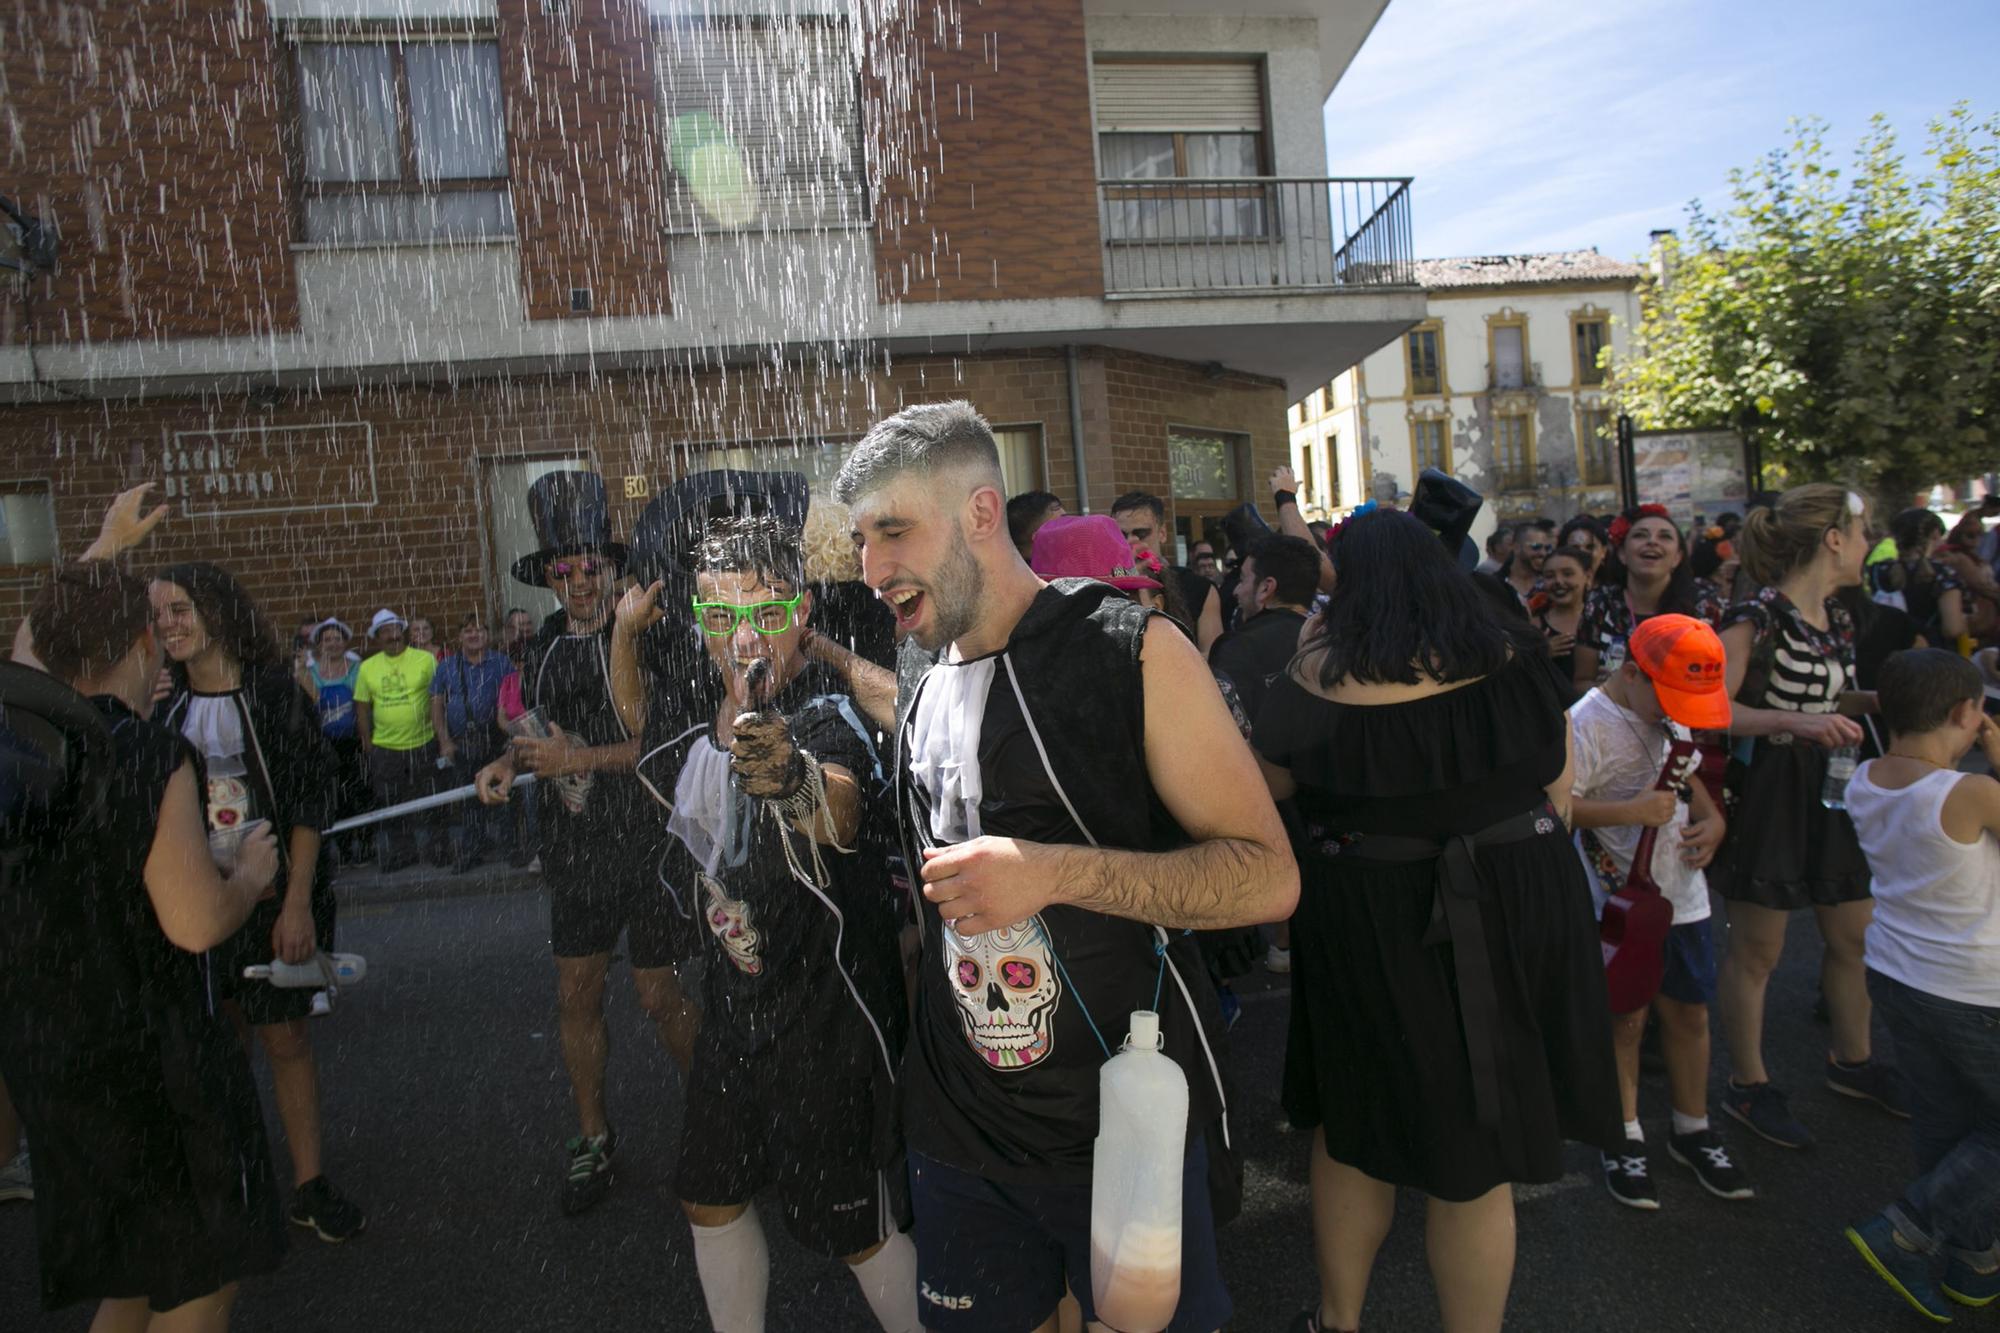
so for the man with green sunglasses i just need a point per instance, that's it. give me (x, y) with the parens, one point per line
(771, 788)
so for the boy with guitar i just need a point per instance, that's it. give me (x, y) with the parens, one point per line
(1647, 828)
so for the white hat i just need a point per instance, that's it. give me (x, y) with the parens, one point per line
(385, 617)
(334, 622)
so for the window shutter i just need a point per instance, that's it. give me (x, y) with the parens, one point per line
(777, 97)
(1217, 97)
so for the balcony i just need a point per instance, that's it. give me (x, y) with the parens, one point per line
(1254, 234)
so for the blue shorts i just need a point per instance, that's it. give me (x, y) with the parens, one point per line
(1690, 974)
(995, 1258)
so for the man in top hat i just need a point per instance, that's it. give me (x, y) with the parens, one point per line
(600, 876)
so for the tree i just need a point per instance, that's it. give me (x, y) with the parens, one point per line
(1847, 327)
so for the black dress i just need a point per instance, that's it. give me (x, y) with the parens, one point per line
(152, 1173)
(1783, 849)
(1377, 1056)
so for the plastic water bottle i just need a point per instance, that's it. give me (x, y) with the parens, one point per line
(1135, 1186)
(1840, 764)
(323, 969)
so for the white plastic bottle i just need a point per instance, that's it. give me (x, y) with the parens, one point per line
(323, 969)
(1135, 1187)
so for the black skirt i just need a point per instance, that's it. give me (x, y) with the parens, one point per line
(1377, 1057)
(1783, 849)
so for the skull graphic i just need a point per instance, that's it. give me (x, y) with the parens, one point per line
(1007, 990)
(729, 921)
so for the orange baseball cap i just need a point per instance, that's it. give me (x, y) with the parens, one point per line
(1683, 658)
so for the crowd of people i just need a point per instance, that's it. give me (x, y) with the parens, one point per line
(938, 787)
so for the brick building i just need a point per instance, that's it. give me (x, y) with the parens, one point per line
(344, 275)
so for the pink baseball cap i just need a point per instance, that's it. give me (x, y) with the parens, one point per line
(1087, 546)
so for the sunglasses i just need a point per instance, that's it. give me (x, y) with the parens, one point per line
(563, 569)
(1540, 546)
(720, 618)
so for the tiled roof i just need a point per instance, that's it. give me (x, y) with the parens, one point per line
(1517, 270)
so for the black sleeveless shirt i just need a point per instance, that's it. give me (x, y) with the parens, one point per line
(1012, 1026)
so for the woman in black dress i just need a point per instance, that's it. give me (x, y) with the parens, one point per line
(153, 1176)
(1792, 682)
(235, 700)
(1424, 737)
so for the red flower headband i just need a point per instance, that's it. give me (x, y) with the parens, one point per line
(1622, 525)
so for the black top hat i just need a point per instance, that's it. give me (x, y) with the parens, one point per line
(670, 530)
(1447, 507)
(571, 517)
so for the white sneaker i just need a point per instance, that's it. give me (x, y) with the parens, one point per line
(1277, 960)
(15, 1181)
(322, 1002)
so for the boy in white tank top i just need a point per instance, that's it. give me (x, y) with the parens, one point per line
(1932, 836)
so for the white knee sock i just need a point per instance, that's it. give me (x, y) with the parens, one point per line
(888, 1280)
(735, 1268)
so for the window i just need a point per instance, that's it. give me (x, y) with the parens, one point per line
(27, 523)
(1510, 356)
(1020, 457)
(1329, 497)
(1203, 464)
(1426, 371)
(1326, 395)
(761, 119)
(1596, 441)
(1513, 453)
(1188, 121)
(1591, 337)
(401, 142)
(1428, 445)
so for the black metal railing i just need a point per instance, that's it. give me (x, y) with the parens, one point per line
(1255, 233)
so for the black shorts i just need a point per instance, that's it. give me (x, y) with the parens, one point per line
(802, 1119)
(994, 1257)
(262, 1003)
(587, 914)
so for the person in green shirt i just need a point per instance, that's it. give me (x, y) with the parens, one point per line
(392, 716)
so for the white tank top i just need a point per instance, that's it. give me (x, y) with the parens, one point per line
(1937, 901)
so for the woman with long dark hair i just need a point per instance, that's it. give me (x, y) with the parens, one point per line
(1790, 844)
(1585, 534)
(1445, 932)
(1645, 574)
(1917, 582)
(235, 700)
(153, 1175)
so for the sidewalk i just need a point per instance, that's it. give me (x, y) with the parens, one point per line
(363, 884)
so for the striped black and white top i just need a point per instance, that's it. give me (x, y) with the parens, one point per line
(1805, 668)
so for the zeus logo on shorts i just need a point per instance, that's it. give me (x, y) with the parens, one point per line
(945, 1302)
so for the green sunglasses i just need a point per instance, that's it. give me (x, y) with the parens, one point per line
(720, 618)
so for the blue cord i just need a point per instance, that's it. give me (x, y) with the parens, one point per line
(1064, 973)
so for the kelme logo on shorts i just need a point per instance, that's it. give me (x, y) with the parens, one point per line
(944, 1302)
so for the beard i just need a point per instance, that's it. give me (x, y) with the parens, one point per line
(954, 591)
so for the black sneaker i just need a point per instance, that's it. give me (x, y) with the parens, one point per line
(1629, 1177)
(319, 1207)
(1870, 1081)
(589, 1178)
(1762, 1108)
(1704, 1153)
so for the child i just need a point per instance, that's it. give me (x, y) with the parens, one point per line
(1932, 837)
(1673, 678)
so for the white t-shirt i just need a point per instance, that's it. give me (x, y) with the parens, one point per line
(1618, 756)
(1937, 901)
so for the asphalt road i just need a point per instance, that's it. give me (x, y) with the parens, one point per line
(446, 1105)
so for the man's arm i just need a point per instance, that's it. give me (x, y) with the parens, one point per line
(446, 746)
(1208, 624)
(1238, 871)
(1293, 524)
(873, 688)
